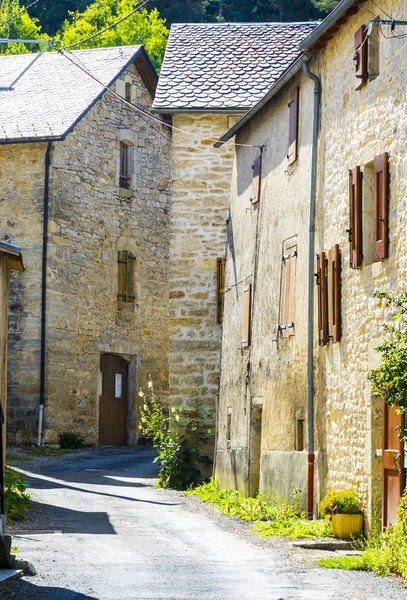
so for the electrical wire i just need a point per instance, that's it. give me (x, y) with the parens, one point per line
(383, 11)
(366, 9)
(144, 112)
(24, 9)
(91, 37)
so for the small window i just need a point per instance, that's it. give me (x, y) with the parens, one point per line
(126, 262)
(118, 385)
(220, 288)
(293, 105)
(287, 304)
(299, 434)
(127, 94)
(229, 427)
(247, 304)
(126, 165)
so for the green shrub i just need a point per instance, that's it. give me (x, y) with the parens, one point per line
(345, 502)
(70, 440)
(17, 499)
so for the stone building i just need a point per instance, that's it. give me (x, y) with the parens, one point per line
(212, 73)
(84, 192)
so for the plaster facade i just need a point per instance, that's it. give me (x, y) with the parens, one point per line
(90, 221)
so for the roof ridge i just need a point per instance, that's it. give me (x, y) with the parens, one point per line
(73, 51)
(243, 24)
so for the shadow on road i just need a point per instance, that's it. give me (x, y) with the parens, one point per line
(17, 590)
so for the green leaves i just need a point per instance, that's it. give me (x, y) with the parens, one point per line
(17, 499)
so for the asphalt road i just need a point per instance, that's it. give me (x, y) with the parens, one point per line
(105, 533)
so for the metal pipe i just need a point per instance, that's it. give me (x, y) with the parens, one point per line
(44, 293)
(311, 252)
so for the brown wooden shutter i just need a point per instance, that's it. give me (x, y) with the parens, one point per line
(360, 57)
(355, 209)
(122, 268)
(288, 275)
(293, 128)
(381, 206)
(220, 288)
(256, 180)
(130, 277)
(322, 284)
(247, 301)
(336, 293)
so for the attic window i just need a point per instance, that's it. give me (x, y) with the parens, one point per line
(127, 94)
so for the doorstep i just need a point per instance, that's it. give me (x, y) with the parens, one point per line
(324, 544)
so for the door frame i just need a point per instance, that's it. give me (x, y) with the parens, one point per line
(130, 387)
(390, 462)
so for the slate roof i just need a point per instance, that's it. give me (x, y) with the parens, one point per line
(54, 94)
(225, 66)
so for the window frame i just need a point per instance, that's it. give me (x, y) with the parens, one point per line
(125, 165)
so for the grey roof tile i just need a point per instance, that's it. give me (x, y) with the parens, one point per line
(54, 93)
(240, 61)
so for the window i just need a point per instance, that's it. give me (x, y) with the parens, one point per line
(126, 165)
(293, 127)
(127, 95)
(287, 304)
(381, 206)
(360, 57)
(229, 426)
(355, 210)
(126, 262)
(299, 434)
(220, 288)
(247, 302)
(368, 213)
(256, 167)
(322, 283)
(118, 385)
(329, 296)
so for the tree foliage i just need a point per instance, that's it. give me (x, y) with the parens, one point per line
(325, 6)
(21, 27)
(146, 28)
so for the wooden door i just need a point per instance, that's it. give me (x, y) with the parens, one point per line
(393, 467)
(113, 401)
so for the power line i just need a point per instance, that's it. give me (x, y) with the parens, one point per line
(144, 112)
(366, 9)
(91, 37)
(383, 11)
(24, 9)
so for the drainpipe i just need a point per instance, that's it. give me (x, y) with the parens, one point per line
(311, 247)
(44, 293)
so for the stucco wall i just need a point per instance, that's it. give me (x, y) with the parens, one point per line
(357, 126)
(200, 197)
(266, 381)
(89, 224)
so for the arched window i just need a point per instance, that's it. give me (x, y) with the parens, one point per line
(125, 291)
(126, 165)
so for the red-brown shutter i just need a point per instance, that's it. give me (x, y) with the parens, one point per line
(322, 283)
(256, 180)
(336, 293)
(220, 288)
(381, 206)
(355, 206)
(360, 57)
(247, 301)
(293, 128)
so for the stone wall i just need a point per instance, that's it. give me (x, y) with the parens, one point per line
(357, 126)
(263, 390)
(90, 221)
(200, 197)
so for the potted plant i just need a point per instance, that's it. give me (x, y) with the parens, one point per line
(345, 511)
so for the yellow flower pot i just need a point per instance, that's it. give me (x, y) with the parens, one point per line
(347, 526)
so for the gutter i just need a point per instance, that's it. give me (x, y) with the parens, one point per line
(198, 110)
(311, 252)
(44, 292)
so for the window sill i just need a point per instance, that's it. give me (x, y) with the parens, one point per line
(125, 305)
(124, 192)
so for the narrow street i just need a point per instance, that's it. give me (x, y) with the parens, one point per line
(100, 530)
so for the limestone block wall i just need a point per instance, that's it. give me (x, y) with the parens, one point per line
(263, 390)
(200, 197)
(357, 126)
(89, 224)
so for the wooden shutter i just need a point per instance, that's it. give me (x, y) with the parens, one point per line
(122, 268)
(322, 283)
(220, 288)
(256, 180)
(287, 307)
(336, 293)
(360, 57)
(381, 206)
(130, 277)
(247, 302)
(293, 128)
(355, 209)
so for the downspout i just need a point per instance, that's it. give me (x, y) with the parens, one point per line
(44, 293)
(311, 247)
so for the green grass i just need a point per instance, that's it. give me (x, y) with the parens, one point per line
(272, 516)
(354, 562)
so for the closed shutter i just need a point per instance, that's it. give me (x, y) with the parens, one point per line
(125, 291)
(381, 206)
(355, 209)
(220, 288)
(130, 277)
(336, 293)
(293, 127)
(360, 57)
(322, 283)
(287, 305)
(256, 167)
(247, 301)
